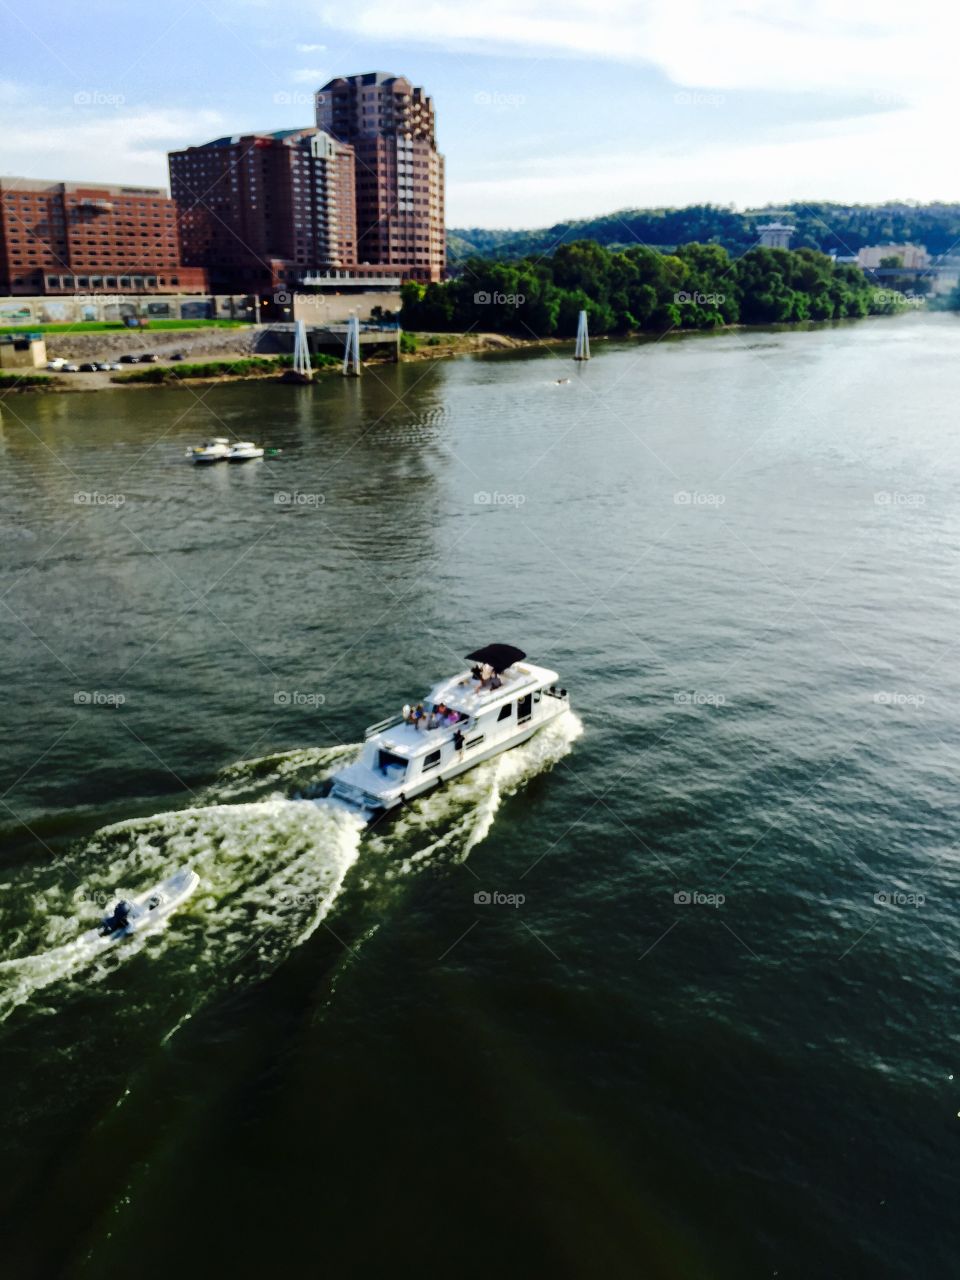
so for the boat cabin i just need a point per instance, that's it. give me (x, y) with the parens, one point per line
(494, 705)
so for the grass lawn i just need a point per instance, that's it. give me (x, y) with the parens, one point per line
(13, 380)
(98, 326)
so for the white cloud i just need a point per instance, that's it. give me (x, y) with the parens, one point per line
(120, 143)
(311, 48)
(735, 44)
(895, 56)
(801, 163)
(310, 75)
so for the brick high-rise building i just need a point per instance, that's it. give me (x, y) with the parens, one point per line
(261, 211)
(400, 174)
(78, 237)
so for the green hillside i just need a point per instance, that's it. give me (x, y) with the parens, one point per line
(824, 226)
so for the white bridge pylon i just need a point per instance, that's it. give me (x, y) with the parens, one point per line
(301, 353)
(582, 350)
(351, 355)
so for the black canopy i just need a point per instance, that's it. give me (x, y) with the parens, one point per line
(499, 656)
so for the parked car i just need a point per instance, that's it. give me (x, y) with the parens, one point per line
(129, 359)
(57, 363)
(113, 366)
(103, 367)
(177, 355)
(148, 358)
(89, 367)
(69, 368)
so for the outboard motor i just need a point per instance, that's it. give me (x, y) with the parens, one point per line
(119, 919)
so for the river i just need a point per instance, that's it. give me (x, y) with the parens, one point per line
(709, 1028)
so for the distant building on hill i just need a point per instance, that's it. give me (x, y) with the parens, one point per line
(775, 235)
(912, 257)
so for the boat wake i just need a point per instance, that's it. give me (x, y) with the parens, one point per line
(269, 873)
(287, 773)
(452, 820)
(272, 866)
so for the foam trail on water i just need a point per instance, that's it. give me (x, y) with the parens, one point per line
(286, 773)
(269, 873)
(271, 869)
(458, 816)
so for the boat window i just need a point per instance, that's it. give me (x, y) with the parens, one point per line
(524, 708)
(505, 711)
(392, 766)
(536, 696)
(473, 742)
(431, 761)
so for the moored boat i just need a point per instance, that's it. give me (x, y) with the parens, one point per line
(244, 451)
(215, 450)
(495, 705)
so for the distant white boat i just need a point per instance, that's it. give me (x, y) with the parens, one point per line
(244, 451)
(215, 450)
(477, 714)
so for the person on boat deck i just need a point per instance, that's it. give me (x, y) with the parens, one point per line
(486, 675)
(407, 712)
(475, 673)
(418, 715)
(458, 744)
(432, 720)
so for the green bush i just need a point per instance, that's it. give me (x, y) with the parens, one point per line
(248, 366)
(11, 381)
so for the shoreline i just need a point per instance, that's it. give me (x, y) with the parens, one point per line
(430, 346)
(448, 346)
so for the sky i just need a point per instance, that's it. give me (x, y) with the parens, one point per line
(545, 111)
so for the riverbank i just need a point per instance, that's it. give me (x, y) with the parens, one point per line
(217, 349)
(227, 346)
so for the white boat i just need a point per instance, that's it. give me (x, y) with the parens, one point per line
(244, 451)
(129, 915)
(214, 450)
(499, 703)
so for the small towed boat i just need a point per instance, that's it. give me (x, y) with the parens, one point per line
(244, 451)
(129, 915)
(215, 450)
(495, 705)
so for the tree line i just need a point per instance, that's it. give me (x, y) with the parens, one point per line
(820, 225)
(698, 286)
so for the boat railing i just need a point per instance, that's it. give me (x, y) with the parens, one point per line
(383, 724)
